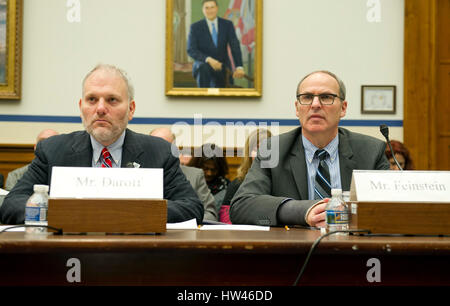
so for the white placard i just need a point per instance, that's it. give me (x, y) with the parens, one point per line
(401, 186)
(110, 183)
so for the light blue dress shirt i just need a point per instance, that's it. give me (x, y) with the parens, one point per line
(114, 149)
(312, 163)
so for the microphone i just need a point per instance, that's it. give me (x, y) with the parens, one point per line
(385, 131)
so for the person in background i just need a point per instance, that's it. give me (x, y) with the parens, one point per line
(402, 155)
(215, 167)
(250, 150)
(106, 106)
(195, 176)
(15, 175)
(185, 159)
(311, 160)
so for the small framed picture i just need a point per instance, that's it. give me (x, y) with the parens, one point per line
(378, 99)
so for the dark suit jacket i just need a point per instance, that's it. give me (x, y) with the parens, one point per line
(200, 44)
(75, 150)
(264, 189)
(196, 177)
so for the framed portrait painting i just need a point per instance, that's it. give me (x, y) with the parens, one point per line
(214, 48)
(11, 14)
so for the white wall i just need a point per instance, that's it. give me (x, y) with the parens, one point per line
(299, 36)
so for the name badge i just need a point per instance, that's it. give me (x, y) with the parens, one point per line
(400, 186)
(110, 183)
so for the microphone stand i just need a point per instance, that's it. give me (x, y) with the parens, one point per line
(385, 131)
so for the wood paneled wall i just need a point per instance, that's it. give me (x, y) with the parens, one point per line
(443, 86)
(13, 156)
(427, 82)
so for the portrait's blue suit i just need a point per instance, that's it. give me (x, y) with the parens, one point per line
(200, 45)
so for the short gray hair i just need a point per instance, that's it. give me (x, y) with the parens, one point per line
(118, 71)
(342, 90)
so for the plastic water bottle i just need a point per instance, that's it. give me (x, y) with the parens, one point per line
(337, 213)
(36, 210)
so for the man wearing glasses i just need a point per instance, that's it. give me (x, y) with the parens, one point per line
(313, 159)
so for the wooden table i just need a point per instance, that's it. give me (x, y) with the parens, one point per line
(194, 257)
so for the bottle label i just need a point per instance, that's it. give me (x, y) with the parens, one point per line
(337, 217)
(35, 214)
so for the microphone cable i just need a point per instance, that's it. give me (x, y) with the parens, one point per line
(58, 231)
(314, 246)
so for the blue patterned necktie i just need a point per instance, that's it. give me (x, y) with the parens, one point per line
(322, 183)
(214, 34)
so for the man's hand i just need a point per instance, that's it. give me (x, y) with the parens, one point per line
(238, 73)
(215, 64)
(316, 216)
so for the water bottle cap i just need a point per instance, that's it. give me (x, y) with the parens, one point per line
(40, 188)
(336, 192)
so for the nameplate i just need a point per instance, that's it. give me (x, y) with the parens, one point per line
(213, 91)
(106, 183)
(400, 186)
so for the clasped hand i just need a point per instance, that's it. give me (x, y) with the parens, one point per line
(317, 214)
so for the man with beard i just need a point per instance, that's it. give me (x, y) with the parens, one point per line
(106, 107)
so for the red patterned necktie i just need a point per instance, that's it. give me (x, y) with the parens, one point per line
(106, 159)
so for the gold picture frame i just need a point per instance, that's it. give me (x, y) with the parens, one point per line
(11, 12)
(179, 79)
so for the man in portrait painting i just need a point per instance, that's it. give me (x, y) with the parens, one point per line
(208, 43)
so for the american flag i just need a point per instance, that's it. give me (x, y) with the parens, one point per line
(242, 14)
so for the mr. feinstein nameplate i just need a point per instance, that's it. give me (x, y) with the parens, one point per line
(401, 186)
(111, 183)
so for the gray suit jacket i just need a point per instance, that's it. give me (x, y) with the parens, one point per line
(14, 176)
(264, 189)
(75, 150)
(196, 177)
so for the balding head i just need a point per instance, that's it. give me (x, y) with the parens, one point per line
(342, 90)
(112, 69)
(164, 133)
(44, 135)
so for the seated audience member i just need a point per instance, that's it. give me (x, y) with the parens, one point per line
(215, 167)
(15, 175)
(402, 155)
(106, 107)
(311, 160)
(251, 147)
(195, 176)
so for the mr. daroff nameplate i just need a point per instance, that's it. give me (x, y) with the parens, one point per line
(106, 183)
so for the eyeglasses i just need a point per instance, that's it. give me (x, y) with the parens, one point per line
(325, 99)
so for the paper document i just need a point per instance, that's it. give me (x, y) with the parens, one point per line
(3, 192)
(191, 224)
(234, 227)
(16, 229)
